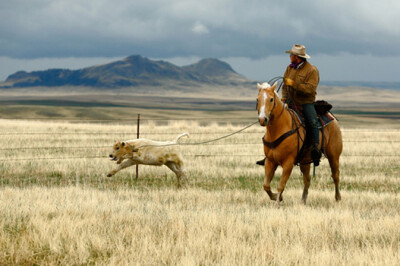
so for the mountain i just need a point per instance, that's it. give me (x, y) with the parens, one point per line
(210, 67)
(130, 72)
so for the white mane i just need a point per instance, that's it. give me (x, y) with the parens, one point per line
(265, 85)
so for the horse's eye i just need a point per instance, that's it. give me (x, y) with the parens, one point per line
(117, 148)
(271, 100)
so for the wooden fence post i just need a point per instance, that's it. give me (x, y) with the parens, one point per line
(137, 131)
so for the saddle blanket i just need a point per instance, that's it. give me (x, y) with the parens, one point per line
(323, 120)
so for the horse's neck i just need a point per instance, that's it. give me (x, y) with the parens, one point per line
(281, 123)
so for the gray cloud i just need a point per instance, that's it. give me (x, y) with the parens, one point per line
(208, 28)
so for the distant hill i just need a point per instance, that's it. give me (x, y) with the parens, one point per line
(130, 72)
(210, 68)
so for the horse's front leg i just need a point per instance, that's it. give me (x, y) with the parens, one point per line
(287, 170)
(270, 168)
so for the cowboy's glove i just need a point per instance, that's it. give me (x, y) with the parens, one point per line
(289, 82)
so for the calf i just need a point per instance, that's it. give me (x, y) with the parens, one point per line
(149, 152)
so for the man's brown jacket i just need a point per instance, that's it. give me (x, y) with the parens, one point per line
(306, 79)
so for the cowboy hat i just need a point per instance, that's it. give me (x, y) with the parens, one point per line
(299, 50)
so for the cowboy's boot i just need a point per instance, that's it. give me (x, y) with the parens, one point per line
(315, 154)
(261, 162)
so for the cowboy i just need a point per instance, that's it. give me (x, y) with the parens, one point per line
(299, 89)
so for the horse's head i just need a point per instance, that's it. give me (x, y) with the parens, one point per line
(266, 102)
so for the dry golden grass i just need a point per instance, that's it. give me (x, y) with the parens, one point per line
(74, 225)
(66, 211)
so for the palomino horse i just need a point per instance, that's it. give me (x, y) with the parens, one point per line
(284, 138)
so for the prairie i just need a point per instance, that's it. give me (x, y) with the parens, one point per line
(58, 207)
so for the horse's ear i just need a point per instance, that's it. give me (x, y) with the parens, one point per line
(259, 86)
(274, 86)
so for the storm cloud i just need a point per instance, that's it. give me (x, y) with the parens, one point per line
(208, 28)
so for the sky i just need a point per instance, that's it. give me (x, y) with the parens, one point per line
(357, 40)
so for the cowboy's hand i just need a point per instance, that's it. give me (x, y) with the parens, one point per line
(289, 82)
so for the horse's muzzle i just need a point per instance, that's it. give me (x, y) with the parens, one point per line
(263, 121)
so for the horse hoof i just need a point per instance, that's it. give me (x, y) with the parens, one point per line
(273, 196)
(338, 197)
(304, 197)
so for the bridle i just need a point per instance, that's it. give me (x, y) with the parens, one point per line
(283, 108)
(272, 110)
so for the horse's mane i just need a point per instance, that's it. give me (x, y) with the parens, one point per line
(266, 85)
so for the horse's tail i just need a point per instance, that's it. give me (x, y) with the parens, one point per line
(180, 136)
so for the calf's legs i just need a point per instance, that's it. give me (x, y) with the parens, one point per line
(178, 169)
(123, 165)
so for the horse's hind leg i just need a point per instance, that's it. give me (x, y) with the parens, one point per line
(334, 164)
(305, 169)
(334, 148)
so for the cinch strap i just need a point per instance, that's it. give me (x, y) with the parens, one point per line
(278, 141)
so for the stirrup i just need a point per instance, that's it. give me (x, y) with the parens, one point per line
(261, 162)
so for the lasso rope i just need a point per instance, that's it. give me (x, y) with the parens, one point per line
(275, 79)
(195, 143)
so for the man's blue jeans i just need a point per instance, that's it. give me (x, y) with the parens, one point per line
(310, 117)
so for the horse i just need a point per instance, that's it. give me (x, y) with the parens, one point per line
(283, 141)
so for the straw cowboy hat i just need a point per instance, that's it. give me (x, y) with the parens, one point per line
(299, 50)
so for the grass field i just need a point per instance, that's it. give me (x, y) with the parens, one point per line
(58, 207)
